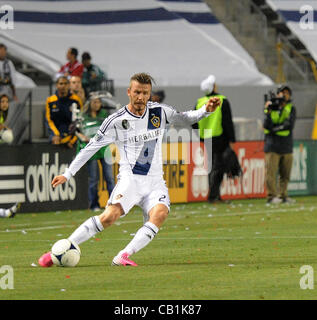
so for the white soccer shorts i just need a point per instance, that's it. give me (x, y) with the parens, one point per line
(143, 191)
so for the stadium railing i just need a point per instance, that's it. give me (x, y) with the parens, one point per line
(21, 121)
(108, 85)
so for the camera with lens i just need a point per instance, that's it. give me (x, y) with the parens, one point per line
(276, 102)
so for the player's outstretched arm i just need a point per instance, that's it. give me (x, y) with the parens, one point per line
(192, 116)
(58, 180)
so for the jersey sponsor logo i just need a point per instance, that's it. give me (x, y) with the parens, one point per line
(150, 135)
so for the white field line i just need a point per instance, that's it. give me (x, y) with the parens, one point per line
(119, 222)
(36, 229)
(191, 239)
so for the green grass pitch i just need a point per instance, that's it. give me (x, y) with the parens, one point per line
(242, 250)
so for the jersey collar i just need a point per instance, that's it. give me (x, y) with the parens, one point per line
(135, 116)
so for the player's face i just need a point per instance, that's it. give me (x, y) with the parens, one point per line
(62, 87)
(287, 95)
(75, 84)
(3, 53)
(86, 63)
(95, 105)
(4, 104)
(139, 94)
(69, 55)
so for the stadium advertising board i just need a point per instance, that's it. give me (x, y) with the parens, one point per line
(252, 183)
(186, 173)
(198, 184)
(26, 173)
(175, 167)
(303, 169)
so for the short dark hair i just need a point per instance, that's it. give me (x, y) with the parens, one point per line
(74, 51)
(2, 45)
(86, 56)
(4, 94)
(283, 87)
(62, 77)
(143, 78)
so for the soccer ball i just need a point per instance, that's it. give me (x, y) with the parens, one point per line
(65, 253)
(6, 136)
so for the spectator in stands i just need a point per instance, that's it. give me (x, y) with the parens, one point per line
(93, 119)
(217, 132)
(158, 96)
(61, 113)
(92, 76)
(7, 74)
(6, 135)
(279, 121)
(73, 67)
(76, 88)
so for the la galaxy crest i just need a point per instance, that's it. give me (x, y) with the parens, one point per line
(155, 120)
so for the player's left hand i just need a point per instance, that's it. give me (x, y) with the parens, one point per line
(212, 104)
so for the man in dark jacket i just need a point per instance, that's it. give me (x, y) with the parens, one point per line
(60, 112)
(217, 131)
(92, 76)
(279, 121)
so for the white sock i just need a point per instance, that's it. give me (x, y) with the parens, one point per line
(4, 213)
(141, 239)
(14, 208)
(86, 230)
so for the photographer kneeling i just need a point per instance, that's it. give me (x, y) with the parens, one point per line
(279, 120)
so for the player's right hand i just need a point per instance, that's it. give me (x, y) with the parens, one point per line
(58, 180)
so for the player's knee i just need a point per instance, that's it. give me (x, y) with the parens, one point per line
(110, 215)
(163, 214)
(158, 215)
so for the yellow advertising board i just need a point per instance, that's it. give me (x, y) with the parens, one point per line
(175, 170)
(314, 133)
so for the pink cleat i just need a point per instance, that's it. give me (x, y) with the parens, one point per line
(122, 260)
(46, 260)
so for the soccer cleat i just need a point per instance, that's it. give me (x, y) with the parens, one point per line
(274, 200)
(13, 210)
(123, 260)
(288, 200)
(46, 260)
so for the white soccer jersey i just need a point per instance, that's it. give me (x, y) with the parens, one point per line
(139, 138)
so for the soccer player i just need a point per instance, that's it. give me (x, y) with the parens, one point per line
(10, 213)
(137, 129)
